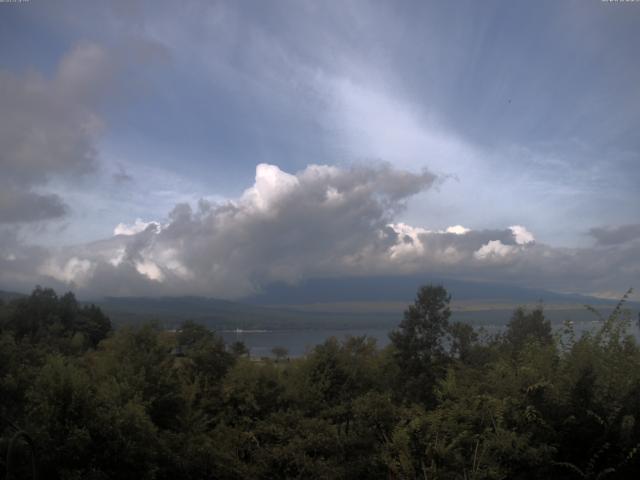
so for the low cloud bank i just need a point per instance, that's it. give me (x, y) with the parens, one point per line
(321, 221)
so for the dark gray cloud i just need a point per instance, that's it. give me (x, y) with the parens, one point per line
(615, 235)
(48, 129)
(20, 263)
(17, 206)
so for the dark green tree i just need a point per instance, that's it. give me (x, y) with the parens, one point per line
(93, 324)
(419, 342)
(239, 349)
(59, 323)
(206, 350)
(463, 341)
(528, 326)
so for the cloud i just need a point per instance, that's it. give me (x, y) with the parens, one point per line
(322, 221)
(522, 235)
(74, 271)
(493, 250)
(615, 235)
(18, 206)
(137, 227)
(49, 129)
(457, 229)
(286, 226)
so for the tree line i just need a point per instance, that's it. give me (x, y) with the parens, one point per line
(80, 400)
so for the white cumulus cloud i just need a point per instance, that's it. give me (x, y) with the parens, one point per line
(493, 249)
(136, 227)
(522, 235)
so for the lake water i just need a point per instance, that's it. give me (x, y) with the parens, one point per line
(299, 342)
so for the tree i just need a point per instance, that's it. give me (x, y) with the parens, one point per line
(54, 321)
(34, 314)
(94, 324)
(463, 340)
(206, 349)
(419, 343)
(239, 349)
(528, 326)
(280, 353)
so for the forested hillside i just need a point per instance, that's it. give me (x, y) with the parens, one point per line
(80, 400)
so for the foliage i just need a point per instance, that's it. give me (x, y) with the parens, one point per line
(527, 326)
(419, 344)
(437, 403)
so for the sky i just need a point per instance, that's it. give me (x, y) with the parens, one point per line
(212, 148)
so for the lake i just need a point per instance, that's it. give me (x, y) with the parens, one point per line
(297, 342)
(300, 341)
